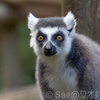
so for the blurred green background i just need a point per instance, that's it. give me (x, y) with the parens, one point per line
(26, 53)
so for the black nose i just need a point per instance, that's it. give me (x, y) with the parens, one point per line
(48, 47)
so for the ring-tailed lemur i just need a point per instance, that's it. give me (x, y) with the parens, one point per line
(67, 62)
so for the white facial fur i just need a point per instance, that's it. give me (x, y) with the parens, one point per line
(49, 31)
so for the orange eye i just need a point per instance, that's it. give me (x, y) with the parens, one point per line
(59, 38)
(40, 38)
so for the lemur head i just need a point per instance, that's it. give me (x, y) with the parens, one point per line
(51, 36)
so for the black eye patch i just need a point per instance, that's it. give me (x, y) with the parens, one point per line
(57, 35)
(54, 37)
(42, 35)
(39, 36)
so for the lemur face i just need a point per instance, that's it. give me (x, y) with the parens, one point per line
(50, 40)
(51, 36)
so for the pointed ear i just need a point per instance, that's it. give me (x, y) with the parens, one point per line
(70, 21)
(32, 21)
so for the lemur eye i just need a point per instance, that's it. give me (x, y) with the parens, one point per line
(59, 38)
(40, 38)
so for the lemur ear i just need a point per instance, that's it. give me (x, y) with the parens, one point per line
(70, 21)
(32, 21)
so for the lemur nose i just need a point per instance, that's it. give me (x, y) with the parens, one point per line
(48, 47)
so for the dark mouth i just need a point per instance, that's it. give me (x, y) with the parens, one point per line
(49, 53)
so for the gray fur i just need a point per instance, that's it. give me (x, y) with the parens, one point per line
(50, 22)
(76, 67)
